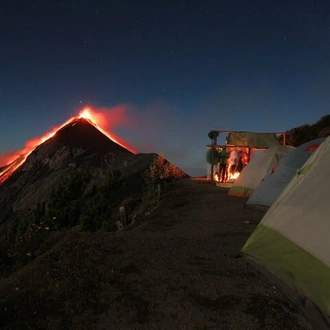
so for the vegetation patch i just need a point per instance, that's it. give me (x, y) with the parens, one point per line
(77, 202)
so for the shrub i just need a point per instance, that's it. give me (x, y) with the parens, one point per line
(163, 171)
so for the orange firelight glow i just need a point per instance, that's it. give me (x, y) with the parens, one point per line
(234, 176)
(230, 176)
(16, 159)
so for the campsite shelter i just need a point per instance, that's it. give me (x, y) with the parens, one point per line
(291, 243)
(246, 142)
(256, 170)
(273, 184)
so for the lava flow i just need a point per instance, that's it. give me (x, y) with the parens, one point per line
(18, 158)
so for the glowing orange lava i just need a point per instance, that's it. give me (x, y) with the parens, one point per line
(18, 158)
(93, 117)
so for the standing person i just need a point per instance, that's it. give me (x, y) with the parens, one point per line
(245, 159)
(223, 155)
(239, 162)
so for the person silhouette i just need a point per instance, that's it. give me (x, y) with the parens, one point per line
(223, 156)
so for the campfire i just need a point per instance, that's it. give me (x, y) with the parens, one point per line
(237, 160)
(231, 177)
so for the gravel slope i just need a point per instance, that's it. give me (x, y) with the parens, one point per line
(178, 269)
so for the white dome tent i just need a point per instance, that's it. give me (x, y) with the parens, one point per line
(291, 243)
(273, 184)
(257, 169)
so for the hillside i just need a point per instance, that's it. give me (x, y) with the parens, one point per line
(77, 176)
(178, 268)
(76, 147)
(304, 133)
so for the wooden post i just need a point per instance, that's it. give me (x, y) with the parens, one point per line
(212, 165)
(123, 216)
(158, 192)
(214, 143)
(284, 139)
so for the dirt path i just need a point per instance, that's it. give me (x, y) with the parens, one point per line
(177, 270)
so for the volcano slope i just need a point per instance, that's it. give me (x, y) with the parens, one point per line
(177, 269)
(76, 146)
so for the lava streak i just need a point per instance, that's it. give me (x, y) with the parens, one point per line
(16, 159)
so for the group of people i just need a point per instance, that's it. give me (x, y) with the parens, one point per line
(231, 162)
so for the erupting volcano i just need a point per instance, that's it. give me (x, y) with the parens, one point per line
(80, 148)
(86, 131)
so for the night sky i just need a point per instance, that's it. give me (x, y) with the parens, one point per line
(174, 69)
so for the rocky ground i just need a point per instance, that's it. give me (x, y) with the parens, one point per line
(178, 269)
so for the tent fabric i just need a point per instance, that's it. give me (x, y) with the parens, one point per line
(312, 311)
(253, 140)
(292, 239)
(256, 170)
(273, 183)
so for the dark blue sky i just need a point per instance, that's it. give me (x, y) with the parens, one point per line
(181, 68)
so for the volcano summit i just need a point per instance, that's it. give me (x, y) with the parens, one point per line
(81, 133)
